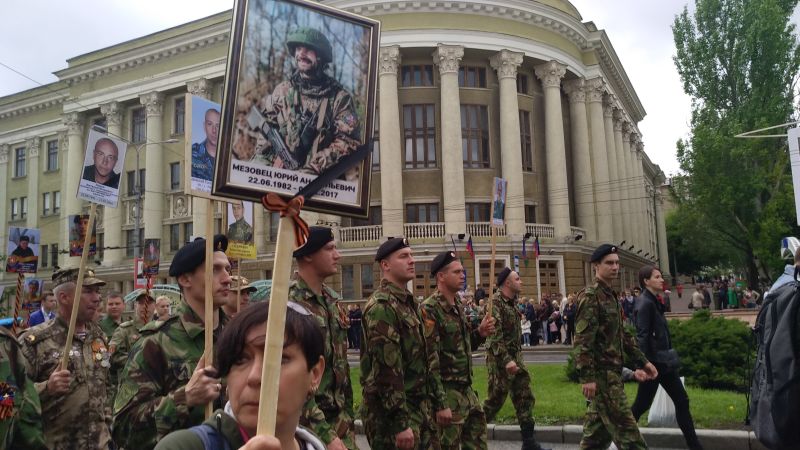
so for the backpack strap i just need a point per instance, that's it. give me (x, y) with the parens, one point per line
(210, 437)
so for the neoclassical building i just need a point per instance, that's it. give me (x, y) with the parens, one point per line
(468, 90)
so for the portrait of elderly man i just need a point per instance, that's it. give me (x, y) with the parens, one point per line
(105, 157)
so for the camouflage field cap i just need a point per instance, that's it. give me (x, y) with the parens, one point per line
(313, 38)
(64, 276)
(240, 283)
(141, 294)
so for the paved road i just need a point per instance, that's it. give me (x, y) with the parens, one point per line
(556, 354)
(501, 445)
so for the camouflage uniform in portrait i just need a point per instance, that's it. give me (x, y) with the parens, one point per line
(20, 409)
(602, 342)
(79, 419)
(202, 162)
(330, 412)
(453, 339)
(311, 116)
(395, 370)
(502, 347)
(240, 231)
(151, 397)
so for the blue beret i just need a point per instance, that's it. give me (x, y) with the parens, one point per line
(317, 238)
(441, 261)
(602, 251)
(193, 255)
(390, 246)
(501, 277)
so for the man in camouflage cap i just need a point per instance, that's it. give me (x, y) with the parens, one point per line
(450, 334)
(166, 384)
(129, 332)
(74, 398)
(20, 408)
(314, 116)
(329, 413)
(396, 359)
(236, 303)
(504, 360)
(602, 344)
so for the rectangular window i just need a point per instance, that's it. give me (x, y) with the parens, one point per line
(54, 254)
(45, 256)
(417, 75)
(23, 201)
(14, 208)
(471, 77)
(52, 155)
(19, 162)
(475, 136)
(180, 115)
(419, 131)
(138, 125)
(188, 231)
(175, 175)
(522, 83)
(478, 212)
(530, 213)
(45, 203)
(347, 282)
(376, 144)
(367, 280)
(130, 245)
(374, 218)
(422, 212)
(56, 202)
(100, 122)
(131, 179)
(525, 140)
(174, 237)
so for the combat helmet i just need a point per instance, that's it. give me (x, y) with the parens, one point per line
(313, 38)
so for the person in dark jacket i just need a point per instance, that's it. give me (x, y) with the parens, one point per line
(654, 341)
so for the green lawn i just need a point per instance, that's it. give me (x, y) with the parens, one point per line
(559, 401)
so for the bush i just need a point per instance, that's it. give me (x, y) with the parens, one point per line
(714, 351)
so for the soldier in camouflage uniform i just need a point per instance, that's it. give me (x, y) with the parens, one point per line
(603, 342)
(74, 409)
(166, 384)
(329, 414)
(128, 333)
(20, 409)
(396, 360)
(314, 115)
(115, 305)
(505, 366)
(204, 153)
(240, 230)
(450, 334)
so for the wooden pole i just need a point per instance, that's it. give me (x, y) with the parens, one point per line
(208, 317)
(239, 291)
(76, 298)
(276, 322)
(17, 302)
(491, 269)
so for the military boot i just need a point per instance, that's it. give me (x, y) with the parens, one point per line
(528, 441)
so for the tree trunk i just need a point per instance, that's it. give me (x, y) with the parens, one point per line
(752, 270)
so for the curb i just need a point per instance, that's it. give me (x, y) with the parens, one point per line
(655, 437)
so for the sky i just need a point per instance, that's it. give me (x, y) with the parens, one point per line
(47, 33)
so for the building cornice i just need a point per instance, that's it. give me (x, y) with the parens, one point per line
(26, 105)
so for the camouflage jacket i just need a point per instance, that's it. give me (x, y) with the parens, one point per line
(20, 409)
(505, 344)
(334, 398)
(151, 396)
(338, 133)
(240, 231)
(108, 326)
(450, 335)
(600, 336)
(79, 419)
(395, 359)
(202, 162)
(121, 343)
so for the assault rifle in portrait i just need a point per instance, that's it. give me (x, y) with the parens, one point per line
(291, 159)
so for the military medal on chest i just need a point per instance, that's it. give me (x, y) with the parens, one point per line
(6, 400)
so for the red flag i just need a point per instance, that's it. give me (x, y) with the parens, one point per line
(470, 249)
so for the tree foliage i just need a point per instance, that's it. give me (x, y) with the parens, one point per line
(739, 61)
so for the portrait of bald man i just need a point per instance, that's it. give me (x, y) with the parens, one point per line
(105, 157)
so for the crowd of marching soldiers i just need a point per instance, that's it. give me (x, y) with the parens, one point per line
(127, 385)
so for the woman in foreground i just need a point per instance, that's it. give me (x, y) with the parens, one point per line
(239, 360)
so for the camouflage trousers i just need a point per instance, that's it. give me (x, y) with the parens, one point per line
(500, 382)
(345, 428)
(609, 418)
(421, 421)
(467, 430)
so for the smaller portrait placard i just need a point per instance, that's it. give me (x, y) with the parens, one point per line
(102, 168)
(78, 226)
(499, 202)
(32, 292)
(241, 243)
(202, 136)
(151, 257)
(22, 250)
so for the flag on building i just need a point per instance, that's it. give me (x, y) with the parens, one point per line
(470, 249)
(536, 251)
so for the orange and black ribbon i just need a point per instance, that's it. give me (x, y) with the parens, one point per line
(291, 209)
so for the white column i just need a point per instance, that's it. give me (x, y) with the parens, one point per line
(154, 165)
(595, 89)
(447, 57)
(551, 73)
(33, 182)
(391, 147)
(622, 185)
(641, 196)
(663, 252)
(112, 217)
(4, 179)
(629, 211)
(202, 88)
(505, 63)
(613, 167)
(581, 158)
(72, 175)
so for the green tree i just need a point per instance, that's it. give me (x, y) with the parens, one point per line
(739, 60)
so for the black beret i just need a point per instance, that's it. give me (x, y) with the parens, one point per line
(390, 246)
(441, 261)
(602, 251)
(25, 238)
(318, 237)
(193, 254)
(501, 277)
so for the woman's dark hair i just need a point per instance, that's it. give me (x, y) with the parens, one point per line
(645, 273)
(300, 329)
